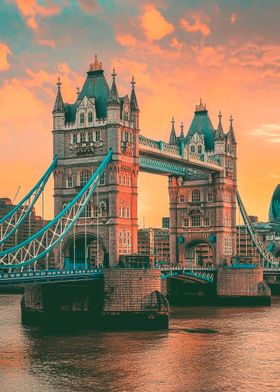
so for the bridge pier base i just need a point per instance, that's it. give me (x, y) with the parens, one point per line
(124, 299)
(244, 285)
(133, 300)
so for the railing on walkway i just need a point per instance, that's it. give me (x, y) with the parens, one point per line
(45, 276)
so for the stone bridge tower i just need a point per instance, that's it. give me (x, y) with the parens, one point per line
(203, 206)
(83, 133)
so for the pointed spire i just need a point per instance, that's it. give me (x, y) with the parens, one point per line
(182, 130)
(230, 134)
(114, 95)
(219, 133)
(201, 107)
(173, 137)
(133, 99)
(59, 105)
(96, 65)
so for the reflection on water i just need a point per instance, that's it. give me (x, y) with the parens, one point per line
(206, 349)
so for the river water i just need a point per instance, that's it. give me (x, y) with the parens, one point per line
(206, 349)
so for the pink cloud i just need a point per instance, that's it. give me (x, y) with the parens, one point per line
(154, 24)
(30, 9)
(195, 24)
(4, 52)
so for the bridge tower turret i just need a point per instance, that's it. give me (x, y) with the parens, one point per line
(203, 203)
(98, 120)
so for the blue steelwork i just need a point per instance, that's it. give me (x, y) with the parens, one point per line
(90, 186)
(49, 276)
(40, 187)
(44, 276)
(206, 277)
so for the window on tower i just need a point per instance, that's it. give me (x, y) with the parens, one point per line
(82, 118)
(69, 182)
(84, 177)
(102, 179)
(181, 199)
(90, 117)
(97, 135)
(196, 220)
(196, 196)
(90, 137)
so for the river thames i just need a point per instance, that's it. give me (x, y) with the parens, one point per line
(206, 349)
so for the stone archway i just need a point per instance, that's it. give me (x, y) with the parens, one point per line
(84, 251)
(199, 252)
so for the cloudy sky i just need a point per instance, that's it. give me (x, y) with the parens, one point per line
(226, 52)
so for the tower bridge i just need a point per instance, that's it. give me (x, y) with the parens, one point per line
(99, 150)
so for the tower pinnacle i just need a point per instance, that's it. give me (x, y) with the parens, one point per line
(59, 105)
(133, 99)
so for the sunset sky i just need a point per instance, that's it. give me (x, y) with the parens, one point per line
(226, 52)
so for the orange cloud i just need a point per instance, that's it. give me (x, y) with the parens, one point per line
(30, 9)
(195, 25)
(125, 39)
(176, 44)
(155, 26)
(4, 52)
(233, 18)
(26, 124)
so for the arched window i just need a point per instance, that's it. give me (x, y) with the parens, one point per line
(196, 220)
(84, 177)
(75, 138)
(90, 117)
(69, 182)
(196, 196)
(192, 148)
(82, 138)
(122, 212)
(199, 149)
(103, 209)
(90, 137)
(186, 222)
(127, 212)
(97, 135)
(102, 179)
(82, 118)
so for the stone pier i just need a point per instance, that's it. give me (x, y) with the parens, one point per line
(133, 299)
(124, 299)
(242, 285)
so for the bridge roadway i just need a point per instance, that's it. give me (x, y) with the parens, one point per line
(53, 276)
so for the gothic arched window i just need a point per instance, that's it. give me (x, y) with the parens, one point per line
(69, 182)
(82, 118)
(196, 196)
(90, 117)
